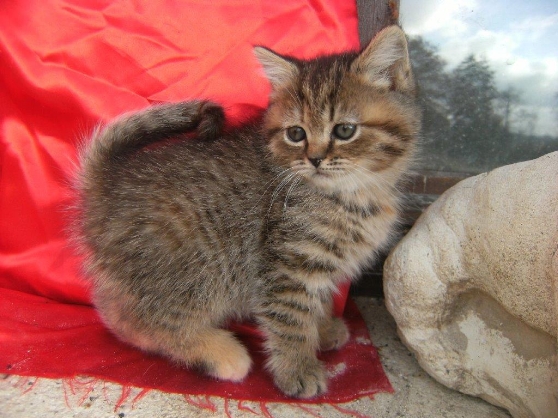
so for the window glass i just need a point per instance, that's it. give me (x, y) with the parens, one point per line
(488, 79)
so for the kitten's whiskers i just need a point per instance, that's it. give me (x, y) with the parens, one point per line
(293, 174)
(285, 172)
(295, 183)
(379, 182)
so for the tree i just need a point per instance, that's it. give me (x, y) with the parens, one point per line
(432, 80)
(526, 122)
(507, 102)
(476, 129)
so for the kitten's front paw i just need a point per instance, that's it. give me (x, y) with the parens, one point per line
(306, 381)
(334, 334)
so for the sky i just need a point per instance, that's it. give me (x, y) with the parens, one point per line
(518, 38)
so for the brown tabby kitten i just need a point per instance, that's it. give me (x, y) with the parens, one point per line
(263, 221)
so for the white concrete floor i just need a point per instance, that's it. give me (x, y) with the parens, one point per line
(416, 394)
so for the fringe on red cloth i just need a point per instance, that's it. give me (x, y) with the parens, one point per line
(59, 340)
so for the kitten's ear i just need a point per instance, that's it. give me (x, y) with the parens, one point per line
(279, 71)
(385, 62)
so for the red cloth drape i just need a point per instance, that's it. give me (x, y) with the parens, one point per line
(66, 66)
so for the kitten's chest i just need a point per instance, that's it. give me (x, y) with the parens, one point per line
(360, 229)
(342, 234)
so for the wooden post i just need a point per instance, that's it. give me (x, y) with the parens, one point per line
(374, 15)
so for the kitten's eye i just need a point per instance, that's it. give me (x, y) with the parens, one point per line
(296, 133)
(344, 130)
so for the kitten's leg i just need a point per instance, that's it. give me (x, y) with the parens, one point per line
(191, 340)
(334, 334)
(290, 318)
(216, 351)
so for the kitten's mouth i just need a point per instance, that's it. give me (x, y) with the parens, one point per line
(324, 177)
(321, 174)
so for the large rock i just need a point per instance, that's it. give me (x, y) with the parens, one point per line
(473, 287)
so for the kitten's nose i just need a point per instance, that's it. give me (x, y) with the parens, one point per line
(315, 161)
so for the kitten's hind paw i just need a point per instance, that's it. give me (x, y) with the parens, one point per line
(222, 356)
(306, 381)
(234, 368)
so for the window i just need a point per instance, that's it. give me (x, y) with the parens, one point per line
(488, 79)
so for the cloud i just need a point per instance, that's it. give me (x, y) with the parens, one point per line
(446, 18)
(534, 27)
(536, 77)
(520, 49)
(495, 47)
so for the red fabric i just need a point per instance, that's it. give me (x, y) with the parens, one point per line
(64, 67)
(62, 340)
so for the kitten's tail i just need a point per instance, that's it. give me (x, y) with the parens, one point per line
(157, 123)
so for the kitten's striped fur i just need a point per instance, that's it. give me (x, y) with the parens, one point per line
(183, 236)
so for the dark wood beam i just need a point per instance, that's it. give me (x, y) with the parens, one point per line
(374, 15)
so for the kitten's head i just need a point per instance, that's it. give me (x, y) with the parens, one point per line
(342, 121)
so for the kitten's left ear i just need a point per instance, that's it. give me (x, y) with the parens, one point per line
(280, 71)
(385, 62)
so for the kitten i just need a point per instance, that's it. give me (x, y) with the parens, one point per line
(261, 221)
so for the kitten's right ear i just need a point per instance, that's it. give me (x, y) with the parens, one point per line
(385, 62)
(279, 71)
